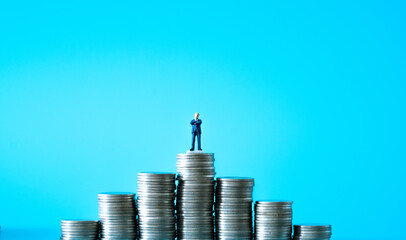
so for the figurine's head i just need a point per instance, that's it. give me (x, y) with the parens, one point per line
(196, 115)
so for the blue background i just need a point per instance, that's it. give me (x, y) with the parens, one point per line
(308, 97)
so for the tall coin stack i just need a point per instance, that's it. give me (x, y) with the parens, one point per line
(118, 216)
(195, 194)
(79, 229)
(233, 208)
(312, 231)
(156, 205)
(273, 220)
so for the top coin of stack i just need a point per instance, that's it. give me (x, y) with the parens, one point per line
(156, 205)
(312, 231)
(195, 165)
(195, 194)
(233, 208)
(273, 220)
(117, 215)
(79, 229)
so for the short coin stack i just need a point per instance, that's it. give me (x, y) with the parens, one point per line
(273, 220)
(156, 205)
(233, 208)
(79, 229)
(117, 215)
(312, 231)
(195, 195)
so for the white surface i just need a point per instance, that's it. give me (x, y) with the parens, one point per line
(191, 152)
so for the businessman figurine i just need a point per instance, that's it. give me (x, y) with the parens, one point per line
(196, 132)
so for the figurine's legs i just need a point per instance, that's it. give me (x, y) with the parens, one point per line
(193, 141)
(199, 146)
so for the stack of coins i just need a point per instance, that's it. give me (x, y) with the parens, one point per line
(79, 229)
(273, 220)
(156, 205)
(312, 231)
(234, 208)
(195, 195)
(118, 216)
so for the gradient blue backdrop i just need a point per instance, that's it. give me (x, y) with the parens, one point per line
(308, 97)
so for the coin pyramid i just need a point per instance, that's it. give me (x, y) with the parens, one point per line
(191, 205)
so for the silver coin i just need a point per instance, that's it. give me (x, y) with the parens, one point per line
(312, 231)
(233, 208)
(80, 229)
(156, 205)
(195, 195)
(118, 215)
(273, 219)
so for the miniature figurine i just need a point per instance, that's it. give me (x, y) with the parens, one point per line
(196, 132)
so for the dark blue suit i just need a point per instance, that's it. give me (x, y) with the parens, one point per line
(196, 131)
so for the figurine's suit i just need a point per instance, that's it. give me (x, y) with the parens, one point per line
(196, 131)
